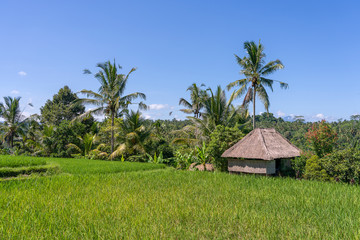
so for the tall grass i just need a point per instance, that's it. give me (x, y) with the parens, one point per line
(177, 205)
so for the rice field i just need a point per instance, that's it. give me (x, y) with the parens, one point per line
(154, 202)
(12, 162)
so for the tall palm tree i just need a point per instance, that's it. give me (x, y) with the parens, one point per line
(255, 70)
(110, 98)
(13, 119)
(196, 104)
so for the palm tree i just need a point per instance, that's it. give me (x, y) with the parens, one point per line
(134, 135)
(217, 110)
(47, 140)
(110, 98)
(255, 70)
(86, 148)
(30, 134)
(13, 119)
(196, 96)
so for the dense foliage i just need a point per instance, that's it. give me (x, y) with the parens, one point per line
(61, 107)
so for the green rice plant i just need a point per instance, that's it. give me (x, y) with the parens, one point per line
(13, 162)
(168, 204)
(7, 172)
(89, 166)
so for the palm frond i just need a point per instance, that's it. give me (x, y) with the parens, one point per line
(120, 150)
(263, 96)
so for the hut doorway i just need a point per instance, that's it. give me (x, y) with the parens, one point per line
(277, 165)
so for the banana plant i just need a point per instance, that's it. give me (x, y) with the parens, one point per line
(202, 155)
(183, 161)
(155, 159)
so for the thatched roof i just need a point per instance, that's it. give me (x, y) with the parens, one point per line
(265, 144)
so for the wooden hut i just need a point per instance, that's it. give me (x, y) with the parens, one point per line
(262, 151)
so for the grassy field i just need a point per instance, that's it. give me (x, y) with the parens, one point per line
(12, 162)
(148, 201)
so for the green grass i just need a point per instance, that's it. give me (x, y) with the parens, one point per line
(80, 166)
(170, 204)
(86, 166)
(13, 162)
(13, 172)
(11, 166)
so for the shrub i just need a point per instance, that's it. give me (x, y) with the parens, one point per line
(343, 165)
(298, 164)
(314, 169)
(137, 158)
(166, 150)
(220, 140)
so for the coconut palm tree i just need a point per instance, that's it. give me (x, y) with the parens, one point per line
(110, 98)
(255, 70)
(86, 148)
(196, 104)
(217, 110)
(13, 119)
(134, 135)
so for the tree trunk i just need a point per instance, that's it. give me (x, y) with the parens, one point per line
(12, 140)
(254, 94)
(112, 132)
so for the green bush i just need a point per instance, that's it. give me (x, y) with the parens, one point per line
(221, 139)
(298, 164)
(166, 150)
(314, 169)
(343, 165)
(137, 158)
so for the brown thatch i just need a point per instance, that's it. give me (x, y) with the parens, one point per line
(265, 144)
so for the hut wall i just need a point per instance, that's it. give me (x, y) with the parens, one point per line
(251, 166)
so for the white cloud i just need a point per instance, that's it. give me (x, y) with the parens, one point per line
(22, 73)
(26, 114)
(147, 116)
(15, 92)
(280, 114)
(320, 115)
(158, 106)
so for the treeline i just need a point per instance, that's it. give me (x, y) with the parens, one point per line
(212, 128)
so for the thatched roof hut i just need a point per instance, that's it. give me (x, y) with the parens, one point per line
(261, 151)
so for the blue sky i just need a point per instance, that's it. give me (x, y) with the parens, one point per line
(46, 45)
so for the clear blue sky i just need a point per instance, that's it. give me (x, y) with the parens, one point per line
(46, 44)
